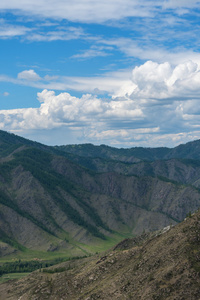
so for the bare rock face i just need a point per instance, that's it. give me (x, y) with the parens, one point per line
(162, 265)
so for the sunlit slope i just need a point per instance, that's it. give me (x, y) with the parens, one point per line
(162, 265)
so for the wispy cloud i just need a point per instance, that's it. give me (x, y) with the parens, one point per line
(96, 11)
(144, 52)
(58, 34)
(181, 4)
(88, 11)
(10, 31)
(94, 51)
(155, 28)
(107, 83)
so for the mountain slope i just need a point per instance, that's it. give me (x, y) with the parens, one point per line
(185, 171)
(191, 150)
(182, 170)
(58, 201)
(50, 203)
(164, 265)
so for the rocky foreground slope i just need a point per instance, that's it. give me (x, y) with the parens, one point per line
(164, 265)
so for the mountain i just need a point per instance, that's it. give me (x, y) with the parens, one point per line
(180, 164)
(160, 265)
(53, 202)
(191, 150)
(184, 171)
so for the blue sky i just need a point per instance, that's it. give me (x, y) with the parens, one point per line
(123, 73)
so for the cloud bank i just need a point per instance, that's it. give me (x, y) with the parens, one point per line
(157, 105)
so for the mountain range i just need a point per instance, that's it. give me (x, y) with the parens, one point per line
(81, 199)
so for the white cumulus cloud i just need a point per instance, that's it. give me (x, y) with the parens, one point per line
(163, 81)
(29, 75)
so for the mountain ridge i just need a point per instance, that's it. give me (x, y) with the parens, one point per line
(134, 154)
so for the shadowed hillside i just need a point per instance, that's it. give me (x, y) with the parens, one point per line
(51, 203)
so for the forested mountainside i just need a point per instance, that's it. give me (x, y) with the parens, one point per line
(160, 265)
(181, 164)
(59, 202)
(191, 150)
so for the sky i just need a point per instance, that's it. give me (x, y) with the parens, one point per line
(124, 73)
